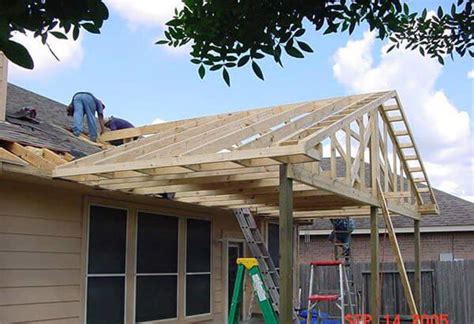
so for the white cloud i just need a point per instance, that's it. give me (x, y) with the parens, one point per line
(470, 74)
(442, 131)
(149, 13)
(158, 121)
(69, 52)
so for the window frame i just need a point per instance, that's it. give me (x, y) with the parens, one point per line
(210, 273)
(135, 266)
(86, 275)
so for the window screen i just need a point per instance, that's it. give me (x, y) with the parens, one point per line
(274, 243)
(157, 267)
(198, 267)
(106, 265)
(198, 246)
(107, 239)
(198, 294)
(105, 300)
(156, 297)
(157, 244)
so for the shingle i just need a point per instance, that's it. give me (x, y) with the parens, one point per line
(50, 133)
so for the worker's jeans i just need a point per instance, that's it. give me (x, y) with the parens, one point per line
(84, 104)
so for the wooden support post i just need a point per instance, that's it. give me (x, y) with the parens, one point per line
(286, 246)
(3, 86)
(417, 240)
(374, 265)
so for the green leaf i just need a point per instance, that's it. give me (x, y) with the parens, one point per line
(91, 28)
(226, 76)
(440, 60)
(17, 53)
(256, 69)
(243, 60)
(440, 12)
(216, 67)
(406, 10)
(391, 48)
(75, 33)
(202, 71)
(293, 51)
(162, 42)
(299, 32)
(305, 47)
(331, 29)
(196, 61)
(58, 35)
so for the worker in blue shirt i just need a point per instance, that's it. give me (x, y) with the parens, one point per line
(114, 123)
(86, 104)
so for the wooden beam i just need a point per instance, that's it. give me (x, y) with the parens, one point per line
(183, 160)
(29, 156)
(3, 85)
(374, 294)
(286, 246)
(417, 241)
(295, 126)
(397, 253)
(339, 187)
(6, 156)
(315, 138)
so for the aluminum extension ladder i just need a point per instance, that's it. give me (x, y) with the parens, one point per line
(354, 300)
(259, 250)
(340, 299)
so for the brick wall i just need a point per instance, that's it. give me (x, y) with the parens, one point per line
(460, 244)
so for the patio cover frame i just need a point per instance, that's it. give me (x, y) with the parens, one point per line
(295, 162)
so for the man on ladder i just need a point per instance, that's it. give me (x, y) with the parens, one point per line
(341, 234)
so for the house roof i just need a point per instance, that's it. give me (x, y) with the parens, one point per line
(453, 212)
(50, 129)
(232, 160)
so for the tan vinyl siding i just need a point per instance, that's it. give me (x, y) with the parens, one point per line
(40, 254)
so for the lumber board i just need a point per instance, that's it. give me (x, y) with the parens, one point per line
(313, 139)
(27, 155)
(6, 156)
(182, 160)
(397, 253)
(295, 126)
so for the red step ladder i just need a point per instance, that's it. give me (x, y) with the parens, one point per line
(340, 299)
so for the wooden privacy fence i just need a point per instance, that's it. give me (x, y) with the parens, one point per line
(447, 288)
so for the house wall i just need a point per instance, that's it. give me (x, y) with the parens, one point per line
(40, 258)
(43, 243)
(432, 244)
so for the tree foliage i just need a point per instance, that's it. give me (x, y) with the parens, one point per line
(227, 34)
(45, 18)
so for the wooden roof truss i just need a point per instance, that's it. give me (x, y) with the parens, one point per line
(336, 150)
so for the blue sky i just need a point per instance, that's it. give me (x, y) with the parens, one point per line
(141, 82)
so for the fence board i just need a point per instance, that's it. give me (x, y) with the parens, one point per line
(447, 288)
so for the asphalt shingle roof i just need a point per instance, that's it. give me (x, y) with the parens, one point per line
(51, 131)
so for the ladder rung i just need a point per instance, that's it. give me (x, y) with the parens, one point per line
(406, 145)
(425, 189)
(419, 180)
(394, 119)
(410, 157)
(391, 108)
(401, 133)
(416, 169)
